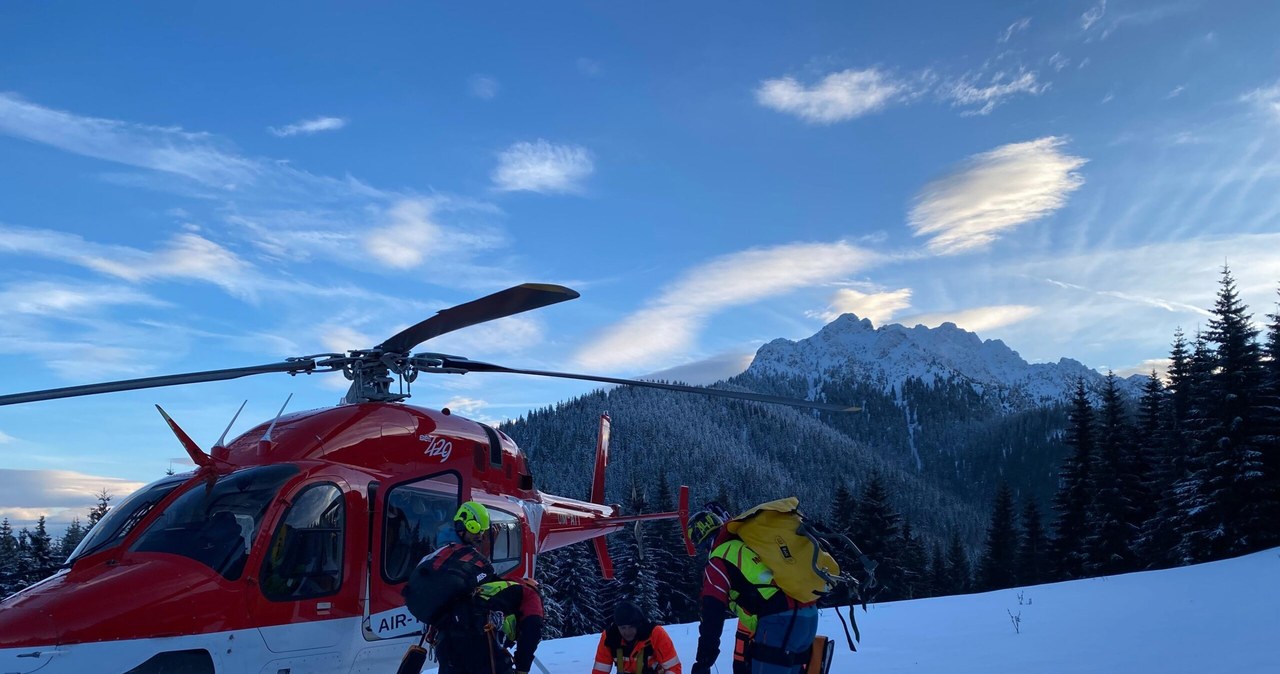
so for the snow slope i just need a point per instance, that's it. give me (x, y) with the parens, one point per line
(1219, 617)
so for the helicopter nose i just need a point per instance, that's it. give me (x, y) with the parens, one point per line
(25, 623)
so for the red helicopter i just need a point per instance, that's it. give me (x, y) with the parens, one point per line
(285, 550)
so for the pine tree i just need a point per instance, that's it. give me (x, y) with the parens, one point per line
(939, 579)
(996, 567)
(1073, 498)
(100, 510)
(875, 532)
(42, 552)
(580, 591)
(9, 572)
(1226, 510)
(959, 578)
(1268, 434)
(70, 538)
(913, 569)
(635, 579)
(550, 577)
(1033, 565)
(1113, 516)
(676, 573)
(1158, 439)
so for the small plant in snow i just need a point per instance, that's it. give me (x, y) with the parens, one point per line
(1023, 600)
(1016, 620)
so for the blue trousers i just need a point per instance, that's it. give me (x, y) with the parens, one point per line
(792, 631)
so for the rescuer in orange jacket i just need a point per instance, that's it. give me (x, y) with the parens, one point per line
(635, 645)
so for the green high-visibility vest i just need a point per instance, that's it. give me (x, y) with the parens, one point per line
(748, 562)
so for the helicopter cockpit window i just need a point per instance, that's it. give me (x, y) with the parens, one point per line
(305, 559)
(122, 518)
(507, 539)
(214, 523)
(419, 519)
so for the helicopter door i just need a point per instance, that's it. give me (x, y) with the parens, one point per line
(417, 519)
(304, 596)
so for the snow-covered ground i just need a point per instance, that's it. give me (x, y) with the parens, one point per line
(1220, 617)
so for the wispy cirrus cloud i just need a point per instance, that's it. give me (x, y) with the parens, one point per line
(669, 324)
(1093, 15)
(182, 160)
(483, 87)
(977, 319)
(979, 94)
(196, 156)
(993, 193)
(880, 307)
(308, 127)
(48, 298)
(1266, 100)
(186, 255)
(542, 167)
(1015, 27)
(838, 97)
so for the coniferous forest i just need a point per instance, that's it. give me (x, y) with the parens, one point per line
(954, 496)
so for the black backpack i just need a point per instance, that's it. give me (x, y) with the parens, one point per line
(444, 577)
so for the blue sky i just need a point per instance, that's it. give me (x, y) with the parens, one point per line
(187, 188)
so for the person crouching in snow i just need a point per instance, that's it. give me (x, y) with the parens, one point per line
(635, 645)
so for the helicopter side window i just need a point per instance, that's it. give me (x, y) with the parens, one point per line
(507, 541)
(418, 519)
(214, 522)
(122, 518)
(305, 559)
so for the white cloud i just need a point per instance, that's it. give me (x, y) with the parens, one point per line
(482, 87)
(48, 298)
(669, 324)
(1159, 365)
(706, 371)
(60, 494)
(5, 438)
(171, 150)
(1266, 99)
(185, 256)
(181, 157)
(838, 97)
(409, 237)
(981, 99)
(309, 127)
(977, 319)
(1016, 26)
(542, 167)
(995, 192)
(1058, 61)
(1093, 15)
(880, 307)
(1175, 92)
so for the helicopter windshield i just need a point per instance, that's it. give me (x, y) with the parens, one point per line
(214, 524)
(122, 518)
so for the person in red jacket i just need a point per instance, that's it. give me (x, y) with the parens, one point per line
(635, 645)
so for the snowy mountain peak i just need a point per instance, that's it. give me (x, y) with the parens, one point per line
(891, 354)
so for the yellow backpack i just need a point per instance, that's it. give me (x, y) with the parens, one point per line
(775, 531)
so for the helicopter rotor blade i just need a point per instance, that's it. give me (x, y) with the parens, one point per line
(296, 366)
(501, 304)
(457, 364)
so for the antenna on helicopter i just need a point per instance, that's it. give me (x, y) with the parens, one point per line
(193, 450)
(223, 438)
(265, 443)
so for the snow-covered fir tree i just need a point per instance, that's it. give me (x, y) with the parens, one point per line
(678, 575)
(1033, 565)
(1073, 498)
(999, 556)
(1113, 515)
(635, 579)
(1225, 513)
(579, 593)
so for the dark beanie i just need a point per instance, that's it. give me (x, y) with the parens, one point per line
(626, 613)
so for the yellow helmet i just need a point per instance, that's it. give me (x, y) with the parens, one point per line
(471, 517)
